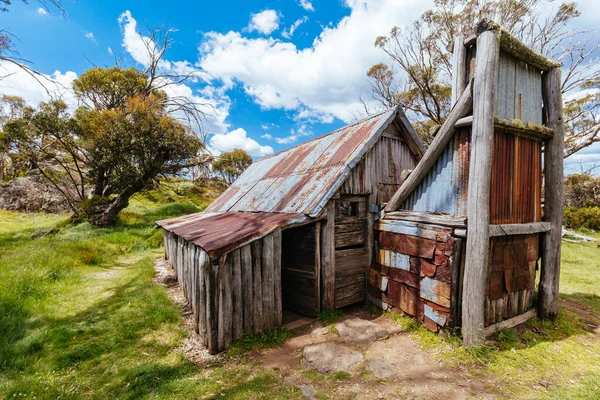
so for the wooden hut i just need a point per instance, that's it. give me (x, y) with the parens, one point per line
(461, 239)
(293, 233)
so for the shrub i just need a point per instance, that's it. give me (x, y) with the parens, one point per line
(586, 217)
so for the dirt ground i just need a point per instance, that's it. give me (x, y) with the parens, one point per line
(413, 373)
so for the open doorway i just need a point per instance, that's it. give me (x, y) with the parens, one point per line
(300, 271)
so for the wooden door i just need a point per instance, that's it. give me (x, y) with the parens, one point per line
(300, 270)
(350, 250)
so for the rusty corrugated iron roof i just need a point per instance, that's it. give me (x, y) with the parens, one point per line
(220, 232)
(285, 188)
(303, 178)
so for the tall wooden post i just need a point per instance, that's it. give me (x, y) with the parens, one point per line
(478, 209)
(554, 197)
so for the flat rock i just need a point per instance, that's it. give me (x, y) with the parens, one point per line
(380, 368)
(330, 357)
(308, 391)
(361, 330)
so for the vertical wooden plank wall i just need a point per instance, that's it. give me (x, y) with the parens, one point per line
(478, 209)
(237, 294)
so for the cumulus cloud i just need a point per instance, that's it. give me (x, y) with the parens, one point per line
(238, 139)
(323, 80)
(42, 11)
(288, 33)
(264, 22)
(33, 90)
(307, 5)
(295, 134)
(214, 103)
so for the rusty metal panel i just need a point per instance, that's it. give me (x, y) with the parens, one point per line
(220, 232)
(516, 180)
(303, 178)
(444, 188)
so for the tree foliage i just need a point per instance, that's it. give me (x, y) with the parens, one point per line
(118, 142)
(231, 164)
(419, 74)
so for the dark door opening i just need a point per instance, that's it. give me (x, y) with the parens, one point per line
(300, 272)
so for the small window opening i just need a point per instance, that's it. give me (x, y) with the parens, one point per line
(349, 209)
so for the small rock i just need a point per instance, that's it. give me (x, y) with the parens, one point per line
(308, 391)
(380, 368)
(320, 332)
(355, 389)
(360, 330)
(419, 360)
(290, 380)
(330, 357)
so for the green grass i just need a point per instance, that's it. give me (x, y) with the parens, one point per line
(259, 341)
(330, 316)
(81, 318)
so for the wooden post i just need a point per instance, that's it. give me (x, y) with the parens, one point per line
(268, 289)
(237, 330)
(212, 303)
(554, 197)
(327, 249)
(247, 298)
(480, 171)
(257, 303)
(277, 300)
(317, 267)
(459, 67)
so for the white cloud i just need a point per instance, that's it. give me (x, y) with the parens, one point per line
(288, 33)
(238, 139)
(321, 81)
(90, 35)
(307, 5)
(42, 11)
(213, 102)
(295, 134)
(111, 51)
(17, 82)
(264, 22)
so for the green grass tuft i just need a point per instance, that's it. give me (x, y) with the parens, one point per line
(330, 316)
(263, 340)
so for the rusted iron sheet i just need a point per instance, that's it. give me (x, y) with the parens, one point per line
(516, 180)
(220, 232)
(303, 178)
(444, 188)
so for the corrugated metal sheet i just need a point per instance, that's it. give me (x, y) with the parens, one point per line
(516, 195)
(444, 188)
(220, 232)
(302, 179)
(519, 90)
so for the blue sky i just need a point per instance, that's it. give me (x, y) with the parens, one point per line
(280, 71)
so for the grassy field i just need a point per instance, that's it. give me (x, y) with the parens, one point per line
(81, 318)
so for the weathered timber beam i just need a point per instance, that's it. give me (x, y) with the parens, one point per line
(462, 107)
(515, 127)
(554, 198)
(428, 218)
(520, 128)
(512, 45)
(458, 68)
(510, 323)
(480, 172)
(519, 229)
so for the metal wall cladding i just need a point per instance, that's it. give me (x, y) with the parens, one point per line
(220, 232)
(516, 191)
(519, 90)
(303, 178)
(444, 188)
